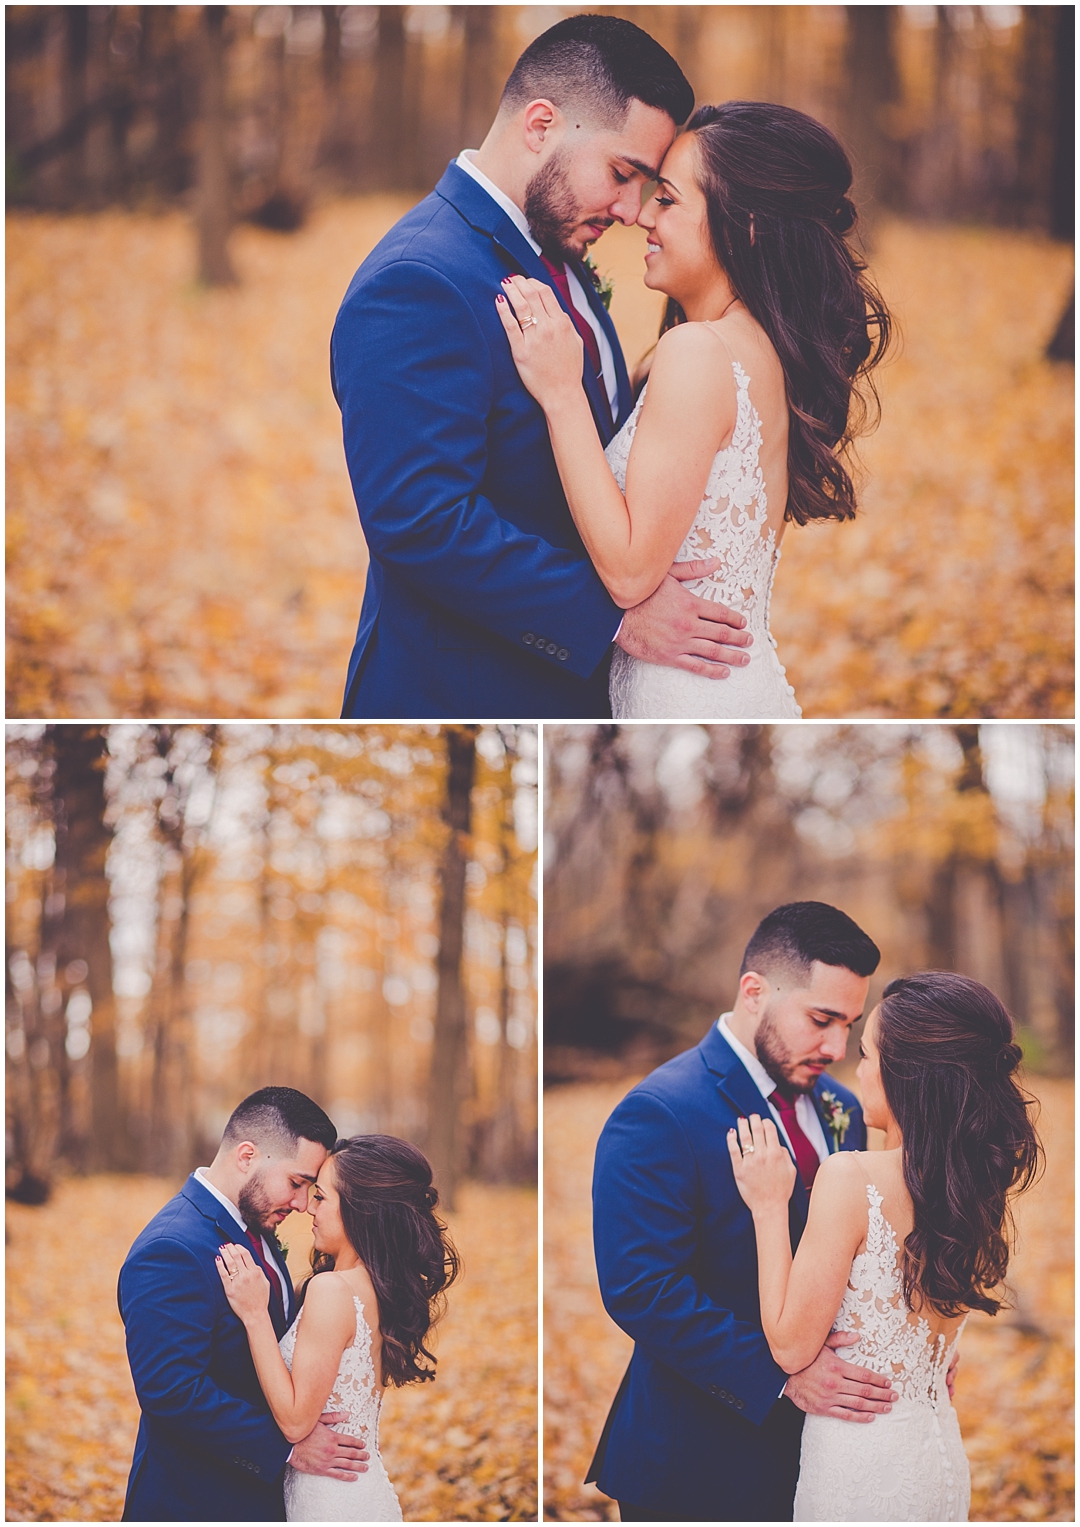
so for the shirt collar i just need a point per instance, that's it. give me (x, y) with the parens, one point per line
(200, 1173)
(464, 161)
(758, 1074)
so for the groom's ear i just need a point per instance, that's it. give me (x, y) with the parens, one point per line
(247, 1153)
(539, 120)
(754, 989)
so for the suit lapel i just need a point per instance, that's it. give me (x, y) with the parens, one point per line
(229, 1230)
(484, 214)
(737, 1086)
(603, 318)
(279, 1259)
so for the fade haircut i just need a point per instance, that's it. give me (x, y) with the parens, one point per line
(595, 66)
(275, 1118)
(795, 935)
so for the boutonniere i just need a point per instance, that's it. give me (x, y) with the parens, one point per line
(837, 1117)
(282, 1246)
(605, 287)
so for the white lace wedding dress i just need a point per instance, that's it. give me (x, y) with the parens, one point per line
(730, 524)
(908, 1465)
(371, 1497)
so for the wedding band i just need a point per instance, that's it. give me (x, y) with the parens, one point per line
(525, 322)
(748, 1150)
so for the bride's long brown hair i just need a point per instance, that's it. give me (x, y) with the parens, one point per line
(775, 183)
(948, 1061)
(387, 1203)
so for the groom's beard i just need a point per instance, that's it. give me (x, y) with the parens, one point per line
(259, 1212)
(553, 212)
(777, 1059)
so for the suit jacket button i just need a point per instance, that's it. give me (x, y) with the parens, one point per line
(740, 1404)
(562, 654)
(713, 1389)
(552, 648)
(528, 638)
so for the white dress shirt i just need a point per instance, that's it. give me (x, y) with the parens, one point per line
(809, 1119)
(271, 1262)
(577, 291)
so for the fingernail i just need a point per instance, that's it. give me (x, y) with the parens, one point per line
(501, 298)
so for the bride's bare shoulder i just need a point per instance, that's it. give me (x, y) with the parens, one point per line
(692, 367)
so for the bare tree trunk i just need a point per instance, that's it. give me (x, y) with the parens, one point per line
(449, 1051)
(1063, 168)
(83, 956)
(873, 86)
(214, 190)
(388, 102)
(479, 80)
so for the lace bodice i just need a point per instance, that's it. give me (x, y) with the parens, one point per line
(731, 524)
(371, 1497)
(732, 517)
(909, 1465)
(891, 1339)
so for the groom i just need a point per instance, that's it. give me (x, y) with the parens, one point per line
(480, 598)
(706, 1427)
(208, 1449)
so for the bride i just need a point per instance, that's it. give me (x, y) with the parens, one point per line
(899, 1245)
(381, 1260)
(752, 396)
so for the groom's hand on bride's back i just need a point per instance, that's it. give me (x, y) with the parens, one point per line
(677, 629)
(330, 1453)
(831, 1387)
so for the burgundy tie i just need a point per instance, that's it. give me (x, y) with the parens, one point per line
(275, 1285)
(806, 1157)
(581, 324)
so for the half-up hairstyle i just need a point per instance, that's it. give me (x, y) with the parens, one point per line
(775, 184)
(388, 1211)
(947, 1059)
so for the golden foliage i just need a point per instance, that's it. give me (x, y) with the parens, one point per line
(461, 1449)
(182, 537)
(1015, 1383)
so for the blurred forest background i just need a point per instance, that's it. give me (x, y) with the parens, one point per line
(198, 911)
(952, 845)
(192, 187)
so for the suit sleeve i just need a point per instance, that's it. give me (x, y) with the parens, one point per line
(413, 377)
(645, 1193)
(169, 1310)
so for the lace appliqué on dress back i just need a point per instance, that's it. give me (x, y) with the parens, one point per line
(731, 519)
(731, 524)
(892, 1340)
(371, 1497)
(910, 1465)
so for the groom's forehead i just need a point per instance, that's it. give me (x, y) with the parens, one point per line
(304, 1161)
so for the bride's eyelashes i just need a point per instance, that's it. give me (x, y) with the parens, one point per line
(663, 201)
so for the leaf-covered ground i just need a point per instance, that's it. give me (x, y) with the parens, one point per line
(1015, 1387)
(183, 541)
(461, 1449)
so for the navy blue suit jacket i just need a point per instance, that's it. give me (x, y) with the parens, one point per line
(697, 1431)
(208, 1449)
(480, 599)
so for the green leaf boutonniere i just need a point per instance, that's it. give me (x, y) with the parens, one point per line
(282, 1246)
(837, 1117)
(604, 285)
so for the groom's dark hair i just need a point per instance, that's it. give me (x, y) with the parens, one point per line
(801, 932)
(597, 65)
(279, 1117)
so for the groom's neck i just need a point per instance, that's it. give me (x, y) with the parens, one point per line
(501, 161)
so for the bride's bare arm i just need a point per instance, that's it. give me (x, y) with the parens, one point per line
(688, 414)
(799, 1298)
(297, 1399)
